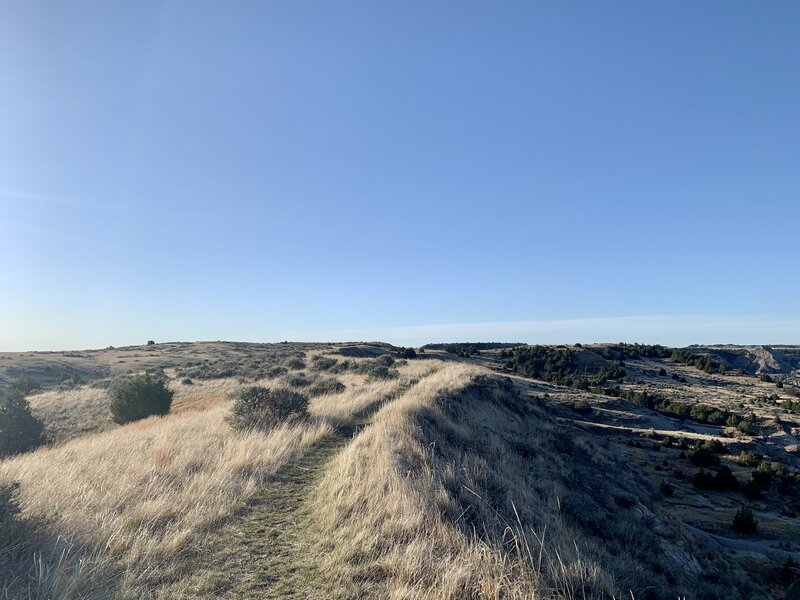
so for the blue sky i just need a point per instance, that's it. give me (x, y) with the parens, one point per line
(415, 171)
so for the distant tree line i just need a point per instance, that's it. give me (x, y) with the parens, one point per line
(464, 350)
(623, 351)
(476, 345)
(704, 362)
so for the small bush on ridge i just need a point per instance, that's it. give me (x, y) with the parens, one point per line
(263, 408)
(138, 398)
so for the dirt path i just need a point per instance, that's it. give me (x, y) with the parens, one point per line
(265, 550)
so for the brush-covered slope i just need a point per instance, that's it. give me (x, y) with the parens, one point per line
(408, 479)
(462, 488)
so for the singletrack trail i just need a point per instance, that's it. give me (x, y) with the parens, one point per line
(266, 549)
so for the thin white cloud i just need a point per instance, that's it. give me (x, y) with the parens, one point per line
(668, 330)
(23, 196)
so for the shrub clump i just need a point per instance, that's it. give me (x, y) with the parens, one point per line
(724, 480)
(277, 371)
(581, 406)
(295, 364)
(748, 459)
(20, 430)
(326, 386)
(298, 380)
(744, 521)
(406, 352)
(139, 397)
(262, 408)
(376, 371)
(323, 363)
(703, 457)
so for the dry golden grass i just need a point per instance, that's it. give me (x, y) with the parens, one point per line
(127, 505)
(379, 509)
(452, 489)
(454, 492)
(68, 414)
(142, 494)
(362, 394)
(202, 393)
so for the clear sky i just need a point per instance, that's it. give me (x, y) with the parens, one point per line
(414, 171)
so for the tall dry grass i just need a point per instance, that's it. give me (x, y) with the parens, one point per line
(362, 394)
(68, 414)
(125, 508)
(141, 495)
(203, 393)
(455, 491)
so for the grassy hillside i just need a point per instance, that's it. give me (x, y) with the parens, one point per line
(408, 478)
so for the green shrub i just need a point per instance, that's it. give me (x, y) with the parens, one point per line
(274, 372)
(323, 363)
(384, 360)
(744, 521)
(151, 343)
(581, 406)
(748, 459)
(725, 480)
(747, 426)
(406, 353)
(792, 406)
(714, 446)
(722, 481)
(20, 431)
(139, 397)
(376, 371)
(187, 381)
(703, 480)
(326, 386)
(703, 457)
(708, 414)
(263, 408)
(766, 378)
(295, 364)
(298, 380)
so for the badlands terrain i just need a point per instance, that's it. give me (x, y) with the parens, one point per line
(451, 471)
